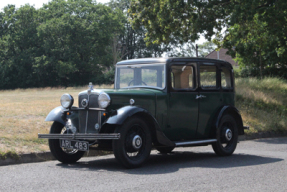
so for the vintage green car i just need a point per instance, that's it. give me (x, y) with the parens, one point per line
(159, 103)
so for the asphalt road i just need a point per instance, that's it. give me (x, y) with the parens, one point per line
(257, 165)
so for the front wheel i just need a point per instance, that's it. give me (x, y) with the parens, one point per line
(227, 136)
(62, 155)
(134, 146)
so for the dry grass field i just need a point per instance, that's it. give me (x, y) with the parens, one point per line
(22, 117)
(262, 103)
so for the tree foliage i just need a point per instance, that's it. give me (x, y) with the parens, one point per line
(67, 43)
(131, 44)
(63, 43)
(189, 49)
(253, 31)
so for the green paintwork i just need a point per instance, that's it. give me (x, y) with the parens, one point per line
(208, 109)
(183, 115)
(154, 101)
(179, 114)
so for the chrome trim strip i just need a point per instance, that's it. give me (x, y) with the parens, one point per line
(87, 118)
(195, 142)
(96, 109)
(100, 119)
(80, 136)
(87, 114)
(84, 109)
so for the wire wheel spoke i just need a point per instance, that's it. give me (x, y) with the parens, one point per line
(68, 151)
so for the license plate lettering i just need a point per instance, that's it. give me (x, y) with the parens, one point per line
(72, 144)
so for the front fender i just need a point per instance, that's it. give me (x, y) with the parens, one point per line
(58, 115)
(125, 112)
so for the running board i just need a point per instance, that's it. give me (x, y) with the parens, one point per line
(80, 136)
(177, 144)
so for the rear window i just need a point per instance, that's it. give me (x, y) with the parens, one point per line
(208, 77)
(225, 78)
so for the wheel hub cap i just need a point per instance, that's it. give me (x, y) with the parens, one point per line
(228, 134)
(137, 142)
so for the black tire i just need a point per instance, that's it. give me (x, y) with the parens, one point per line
(164, 150)
(134, 146)
(227, 136)
(64, 156)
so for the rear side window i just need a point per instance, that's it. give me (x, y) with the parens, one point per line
(182, 77)
(225, 78)
(208, 77)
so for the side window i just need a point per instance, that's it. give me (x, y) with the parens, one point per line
(225, 78)
(182, 77)
(208, 77)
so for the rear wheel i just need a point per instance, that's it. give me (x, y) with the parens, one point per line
(227, 136)
(62, 155)
(134, 146)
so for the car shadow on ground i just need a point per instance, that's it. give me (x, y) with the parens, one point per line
(168, 163)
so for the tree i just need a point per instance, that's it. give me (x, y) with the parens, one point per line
(254, 30)
(76, 40)
(130, 44)
(252, 45)
(65, 43)
(183, 20)
(19, 45)
(189, 49)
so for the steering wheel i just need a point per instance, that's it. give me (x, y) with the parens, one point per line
(134, 80)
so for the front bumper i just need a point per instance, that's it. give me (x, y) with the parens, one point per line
(108, 136)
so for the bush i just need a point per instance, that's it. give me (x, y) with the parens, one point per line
(280, 72)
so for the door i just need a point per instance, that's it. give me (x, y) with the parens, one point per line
(183, 105)
(210, 98)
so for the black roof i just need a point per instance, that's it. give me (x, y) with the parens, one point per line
(164, 60)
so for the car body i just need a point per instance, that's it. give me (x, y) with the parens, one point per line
(159, 103)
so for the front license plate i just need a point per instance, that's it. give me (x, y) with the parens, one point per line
(73, 144)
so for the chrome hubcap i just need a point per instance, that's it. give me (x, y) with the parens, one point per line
(228, 134)
(137, 142)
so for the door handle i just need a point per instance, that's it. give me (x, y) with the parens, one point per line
(200, 96)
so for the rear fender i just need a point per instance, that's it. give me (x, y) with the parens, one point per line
(235, 113)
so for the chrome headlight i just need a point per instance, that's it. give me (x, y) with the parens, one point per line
(67, 100)
(104, 100)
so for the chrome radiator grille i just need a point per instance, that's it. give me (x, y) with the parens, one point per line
(93, 100)
(89, 118)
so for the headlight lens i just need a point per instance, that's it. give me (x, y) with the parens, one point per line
(104, 100)
(67, 100)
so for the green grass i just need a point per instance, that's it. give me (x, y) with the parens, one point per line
(9, 154)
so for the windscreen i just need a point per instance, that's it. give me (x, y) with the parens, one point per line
(145, 75)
